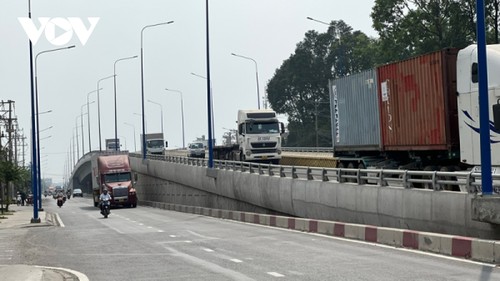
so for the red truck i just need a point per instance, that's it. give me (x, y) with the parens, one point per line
(113, 172)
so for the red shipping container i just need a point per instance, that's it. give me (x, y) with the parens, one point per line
(418, 103)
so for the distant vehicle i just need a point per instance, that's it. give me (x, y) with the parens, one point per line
(155, 143)
(196, 149)
(113, 172)
(77, 192)
(258, 139)
(113, 144)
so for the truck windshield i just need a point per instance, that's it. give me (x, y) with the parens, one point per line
(262, 128)
(118, 177)
(155, 143)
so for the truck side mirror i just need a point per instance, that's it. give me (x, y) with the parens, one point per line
(496, 116)
(135, 177)
(282, 126)
(166, 144)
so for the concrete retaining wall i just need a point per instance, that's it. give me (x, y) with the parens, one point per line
(395, 207)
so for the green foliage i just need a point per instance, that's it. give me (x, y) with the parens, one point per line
(406, 28)
(299, 88)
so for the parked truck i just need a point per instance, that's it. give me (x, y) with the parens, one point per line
(421, 113)
(258, 140)
(113, 144)
(113, 172)
(155, 143)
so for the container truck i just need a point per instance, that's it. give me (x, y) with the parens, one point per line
(421, 113)
(155, 143)
(112, 172)
(113, 144)
(258, 140)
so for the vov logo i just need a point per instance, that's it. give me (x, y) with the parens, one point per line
(66, 25)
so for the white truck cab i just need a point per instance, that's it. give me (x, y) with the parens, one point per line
(259, 135)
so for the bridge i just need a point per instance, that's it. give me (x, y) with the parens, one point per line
(387, 198)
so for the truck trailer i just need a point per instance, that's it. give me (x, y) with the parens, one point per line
(421, 113)
(112, 172)
(112, 144)
(155, 144)
(258, 140)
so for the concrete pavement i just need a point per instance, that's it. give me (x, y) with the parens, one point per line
(21, 217)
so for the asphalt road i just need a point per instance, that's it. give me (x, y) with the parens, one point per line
(151, 244)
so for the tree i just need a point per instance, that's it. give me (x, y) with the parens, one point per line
(413, 27)
(299, 88)
(11, 173)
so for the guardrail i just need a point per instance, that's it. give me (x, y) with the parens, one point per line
(434, 180)
(307, 149)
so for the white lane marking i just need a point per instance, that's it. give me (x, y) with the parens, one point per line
(133, 221)
(173, 236)
(276, 274)
(59, 220)
(236, 260)
(200, 235)
(187, 241)
(141, 224)
(442, 256)
(150, 227)
(160, 230)
(230, 274)
(208, 250)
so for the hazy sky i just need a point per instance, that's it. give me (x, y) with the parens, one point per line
(265, 30)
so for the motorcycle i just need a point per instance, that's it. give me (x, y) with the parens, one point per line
(105, 208)
(60, 201)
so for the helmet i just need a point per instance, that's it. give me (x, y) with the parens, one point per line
(105, 190)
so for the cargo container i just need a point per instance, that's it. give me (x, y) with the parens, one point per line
(418, 103)
(398, 115)
(355, 112)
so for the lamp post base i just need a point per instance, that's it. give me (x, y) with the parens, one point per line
(35, 220)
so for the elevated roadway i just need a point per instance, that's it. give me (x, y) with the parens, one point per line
(301, 192)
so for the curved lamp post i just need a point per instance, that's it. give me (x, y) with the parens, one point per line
(161, 112)
(88, 117)
(182, 115)
(143, 141)
(36, 151)
(256, 76)
(133, 127)
(99, 109)
(114, 87)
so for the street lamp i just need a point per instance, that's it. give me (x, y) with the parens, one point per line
(114, 88)
(125, 141)
(182, 115)
(142, 85)
(211, 104)
(338, 72)
(88, 116)
(256, 76)
(133, 127)
(88, 121)
(140, 116)
(161, 112)
(36, 151)
(99, 109)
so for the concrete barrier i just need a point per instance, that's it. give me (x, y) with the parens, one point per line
(487, 251)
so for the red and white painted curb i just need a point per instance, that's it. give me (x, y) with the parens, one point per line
(456, 246)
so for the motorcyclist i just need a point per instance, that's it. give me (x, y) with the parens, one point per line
(104, 197)
(60, 197)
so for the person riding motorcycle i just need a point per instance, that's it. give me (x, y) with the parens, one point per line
(104, 197)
